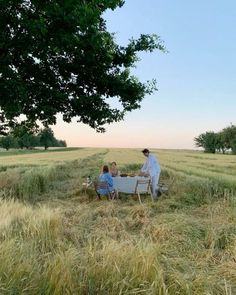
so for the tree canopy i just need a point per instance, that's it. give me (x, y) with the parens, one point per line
(58, 57)
(46, 137)
(23, 137)
(218, 141)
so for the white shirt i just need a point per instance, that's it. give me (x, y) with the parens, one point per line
(151, 166)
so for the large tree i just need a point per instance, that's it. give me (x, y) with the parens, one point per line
(46, 138)
(58, 57)
(208, 141)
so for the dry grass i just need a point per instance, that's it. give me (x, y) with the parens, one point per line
(45, 158)
(69, 243)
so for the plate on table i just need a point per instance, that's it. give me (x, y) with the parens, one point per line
(123, 175)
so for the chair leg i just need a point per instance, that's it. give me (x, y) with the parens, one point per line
(114, 194)
(139, 198)
(152, 197)
(117, 194)
(98, 195)
(150, 192)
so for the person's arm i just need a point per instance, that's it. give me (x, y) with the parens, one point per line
(144, 167)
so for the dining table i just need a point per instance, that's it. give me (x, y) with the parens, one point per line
(127, 184)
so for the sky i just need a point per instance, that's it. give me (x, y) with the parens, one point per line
(196, 79)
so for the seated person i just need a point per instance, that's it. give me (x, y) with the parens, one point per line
(105, 176)
(113, 169)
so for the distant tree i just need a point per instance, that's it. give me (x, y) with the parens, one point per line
(28, 141)
(208, 141)
(229, 134)
(221, 142)
(46, 137)
(233, 146)
(24, 135)
(7, 142)
(58, 57)
(61, 143)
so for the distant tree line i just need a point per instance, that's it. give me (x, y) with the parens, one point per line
(222, 141)
(24, 137)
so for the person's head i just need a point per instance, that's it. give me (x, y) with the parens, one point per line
(146, 152)
(105, 169)
(113, 164)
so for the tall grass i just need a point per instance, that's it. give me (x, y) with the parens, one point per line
(114, 248)
(58, 241)
(31, 182)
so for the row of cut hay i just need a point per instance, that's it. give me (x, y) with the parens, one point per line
(47, 157)
(28, 183)
(228, 178)
(191, 190)
(32, 182)
(197, 163)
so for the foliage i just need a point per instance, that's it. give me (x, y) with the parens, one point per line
(222, 141)
(61, 143)
(221, 145)
(23, 137)
(46, 137)
(7, 142)
(207, 141)
(230, 138)
(58, 57)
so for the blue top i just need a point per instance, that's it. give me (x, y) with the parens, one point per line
(108, 178)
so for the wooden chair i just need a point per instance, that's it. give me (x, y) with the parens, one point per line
(103, 185)
(143, 186)
(165, 184)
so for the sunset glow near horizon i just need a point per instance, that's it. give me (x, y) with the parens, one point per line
(196, 78)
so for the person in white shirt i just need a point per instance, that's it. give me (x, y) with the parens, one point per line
(152, 168)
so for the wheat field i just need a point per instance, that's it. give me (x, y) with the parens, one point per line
(57, 239)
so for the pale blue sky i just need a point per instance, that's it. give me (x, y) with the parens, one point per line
(196, 79)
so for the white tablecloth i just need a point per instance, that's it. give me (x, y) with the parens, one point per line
(127, 184)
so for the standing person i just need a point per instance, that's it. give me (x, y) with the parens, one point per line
(151, 167)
